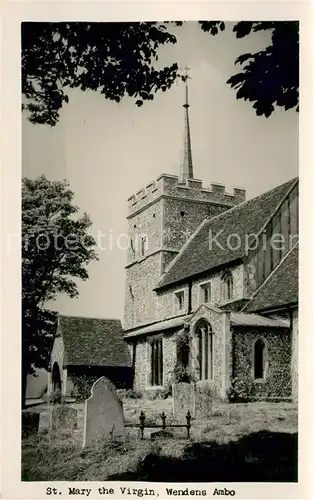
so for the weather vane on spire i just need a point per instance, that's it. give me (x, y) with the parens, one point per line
(186, 75)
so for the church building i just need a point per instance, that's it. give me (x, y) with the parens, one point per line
(221, 270)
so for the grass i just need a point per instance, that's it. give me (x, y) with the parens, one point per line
(240, 442)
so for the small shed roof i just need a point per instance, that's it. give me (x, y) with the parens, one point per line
(94, 342)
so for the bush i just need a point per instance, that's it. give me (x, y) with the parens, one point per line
(241, 391)
(180, 373)
(55, 398)
(205, 388)
(129, 394)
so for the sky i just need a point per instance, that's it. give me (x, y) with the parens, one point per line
(108, 151)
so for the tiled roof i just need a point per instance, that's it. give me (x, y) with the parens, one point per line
(281, 288)
(197, 257)
(158, 327)
(94, 342)
(242, 319)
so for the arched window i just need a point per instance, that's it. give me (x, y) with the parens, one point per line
(259, 359)
(227, 286)
(56, 378)
(204, 335)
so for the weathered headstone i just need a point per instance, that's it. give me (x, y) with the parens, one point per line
(183, 399)
(103, 414)
(64, 419)
(233, 414)
(30, 423)
(203, 403)
(44, 422)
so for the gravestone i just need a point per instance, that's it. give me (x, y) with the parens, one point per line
(44, 422)
(183, 399)
(103, 414)
(233, 414)
(64, 419)
(203, 403)
(30, 423)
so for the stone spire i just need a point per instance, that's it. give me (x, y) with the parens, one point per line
(186, 167)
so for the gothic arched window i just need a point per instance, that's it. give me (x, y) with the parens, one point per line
(227, 286)
(204, 335)
(259, 359)
(56, 378)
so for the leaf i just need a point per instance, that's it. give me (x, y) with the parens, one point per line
(236, 79)
(244, 57)
(243, 28)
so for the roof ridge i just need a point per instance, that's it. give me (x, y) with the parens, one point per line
(61, 315)
(268, 278)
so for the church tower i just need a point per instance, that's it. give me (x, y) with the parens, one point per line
(162, 216)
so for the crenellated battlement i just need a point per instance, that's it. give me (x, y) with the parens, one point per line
(169, 185)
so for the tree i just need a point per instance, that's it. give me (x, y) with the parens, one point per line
(271, 76)
(56, 248)
(116, 59)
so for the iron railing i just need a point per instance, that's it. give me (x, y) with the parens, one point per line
(144, 425)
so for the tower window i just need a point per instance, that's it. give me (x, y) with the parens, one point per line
(205, 293)
(132, 246)
(259, 359)
(156, 362)
(227, 286)
(143, 245)
(179, 300)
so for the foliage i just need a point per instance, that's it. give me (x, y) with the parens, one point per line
(119, 59)
(55, 398)
(159, 392)
(206, 388)
(56, 248)
(241, 390)
(181, 372)
(114, 58)
(129, 394)
(82, 386)
(271, 76)
(231, 446)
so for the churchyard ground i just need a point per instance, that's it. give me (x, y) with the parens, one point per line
(238, 442)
